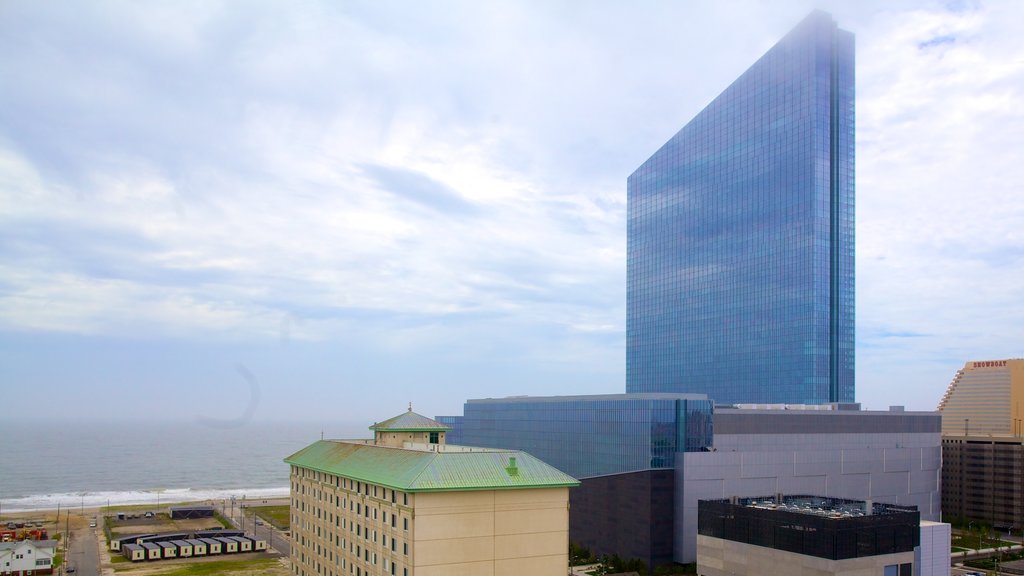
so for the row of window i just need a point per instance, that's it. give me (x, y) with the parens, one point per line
(343, 504)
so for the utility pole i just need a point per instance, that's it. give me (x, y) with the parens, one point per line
(67, 536)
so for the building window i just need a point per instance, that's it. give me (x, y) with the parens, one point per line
(433, 437)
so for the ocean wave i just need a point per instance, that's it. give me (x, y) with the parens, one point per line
(158, 496)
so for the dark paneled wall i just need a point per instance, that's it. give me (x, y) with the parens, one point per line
(627, 514)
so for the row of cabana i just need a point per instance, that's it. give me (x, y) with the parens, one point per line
(163, 546)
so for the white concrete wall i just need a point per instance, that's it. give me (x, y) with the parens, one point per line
(895, 468)
(932, 557)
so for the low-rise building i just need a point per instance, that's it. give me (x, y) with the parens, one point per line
(406, 503)
(27, 557)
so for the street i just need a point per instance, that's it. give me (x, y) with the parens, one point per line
(83, 553)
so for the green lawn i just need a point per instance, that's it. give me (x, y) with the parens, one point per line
(278, 516)
(974, 542)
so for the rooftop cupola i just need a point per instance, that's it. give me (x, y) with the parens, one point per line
(408, 427)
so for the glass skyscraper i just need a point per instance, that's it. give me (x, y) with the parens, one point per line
(741, 236)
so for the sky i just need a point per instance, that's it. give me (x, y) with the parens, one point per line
(258, 211)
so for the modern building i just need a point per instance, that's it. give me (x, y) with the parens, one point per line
(808, 535)
(646, 507)
(740, 271)
(983, 444)
(407, 503)
(27, 557)
(624, 445)
(891, 457)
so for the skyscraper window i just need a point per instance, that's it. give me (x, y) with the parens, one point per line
(741, 236)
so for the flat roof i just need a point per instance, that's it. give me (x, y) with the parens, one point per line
(593, 397)
(835, 508)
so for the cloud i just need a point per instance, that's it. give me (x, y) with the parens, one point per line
(425, 184)
(421, 189)
(938, 215)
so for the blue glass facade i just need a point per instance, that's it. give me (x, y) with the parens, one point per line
(587, 436)
(741, 236)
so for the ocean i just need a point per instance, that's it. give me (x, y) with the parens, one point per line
(89, 464)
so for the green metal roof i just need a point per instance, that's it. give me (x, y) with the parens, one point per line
(410, 422)
(426, 471)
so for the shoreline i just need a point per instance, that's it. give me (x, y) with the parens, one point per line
(81, 503)
(75, 512)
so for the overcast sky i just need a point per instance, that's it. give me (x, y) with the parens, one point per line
(280, 210)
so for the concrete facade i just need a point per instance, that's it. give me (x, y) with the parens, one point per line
(932, 557)
(891, 457)
(341, 526)
(719, 557)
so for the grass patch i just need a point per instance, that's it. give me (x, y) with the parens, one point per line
(278, 516)
(223, 521)
(974, 542)
(222, 567)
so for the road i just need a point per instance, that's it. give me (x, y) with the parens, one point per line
(274, 537)
(83, 553)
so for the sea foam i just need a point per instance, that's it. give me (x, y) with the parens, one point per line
(81, 500)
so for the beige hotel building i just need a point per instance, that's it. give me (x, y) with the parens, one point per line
(983, 444)
(407, 504)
